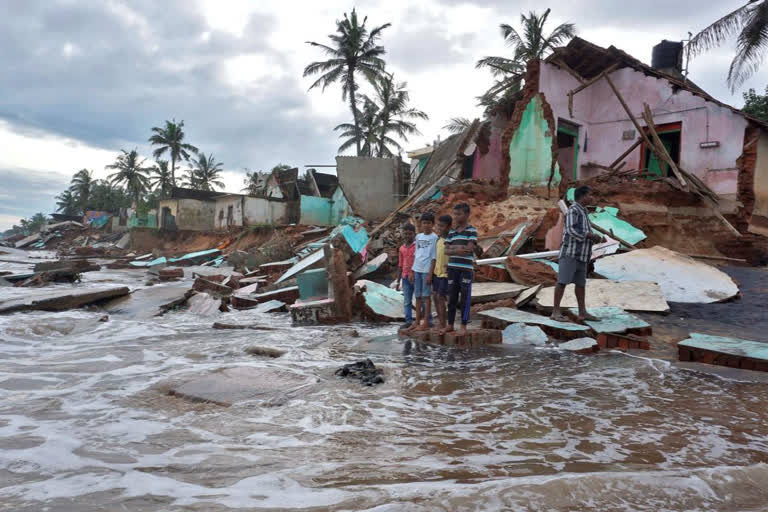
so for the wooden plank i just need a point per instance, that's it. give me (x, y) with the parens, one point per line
(626, 153)
(661, 150)
(584, 85)
(639, 128)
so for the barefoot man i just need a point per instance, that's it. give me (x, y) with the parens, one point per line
(574, 254)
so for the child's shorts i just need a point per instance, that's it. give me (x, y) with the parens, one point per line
(440, 286)
(420, 286)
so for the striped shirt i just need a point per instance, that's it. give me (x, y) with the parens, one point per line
(462, 238)
(576, 242)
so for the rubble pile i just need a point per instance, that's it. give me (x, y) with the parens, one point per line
(365, 371)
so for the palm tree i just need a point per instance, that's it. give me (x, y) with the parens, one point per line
(364, 134)
(131, 171)
(205, 173)
(457, 124)
(353, 50)
(81, 185)
(533, 44)
(171, 139)
(750, 21)
(161, 178)
(66, 202)
(395, 116)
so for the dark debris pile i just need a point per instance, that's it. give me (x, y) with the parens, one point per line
(366, 371)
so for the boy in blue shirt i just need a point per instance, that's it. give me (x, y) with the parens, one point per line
(423, 268)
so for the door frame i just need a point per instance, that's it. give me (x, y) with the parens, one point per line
(662, 129)
(572, 130)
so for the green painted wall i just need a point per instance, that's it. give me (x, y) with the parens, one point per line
(531, 150)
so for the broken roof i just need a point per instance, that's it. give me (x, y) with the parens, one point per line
(200, 195)
(589, 60)
(448, 154)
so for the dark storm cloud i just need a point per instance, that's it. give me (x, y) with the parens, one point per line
(25, 192)
(106, 72)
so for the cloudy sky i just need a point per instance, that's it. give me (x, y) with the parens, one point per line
(79, 80)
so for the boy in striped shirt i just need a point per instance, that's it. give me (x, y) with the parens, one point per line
(460, 248)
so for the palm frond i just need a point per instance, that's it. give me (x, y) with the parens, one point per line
(719, 31)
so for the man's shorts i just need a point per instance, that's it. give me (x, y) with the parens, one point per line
(571, 270)
(420, 286)
(440, 286)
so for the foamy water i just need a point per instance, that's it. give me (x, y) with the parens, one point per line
(86, 423)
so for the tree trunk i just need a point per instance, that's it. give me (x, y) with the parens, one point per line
(384, 122)
(353, 106)
(173, 170)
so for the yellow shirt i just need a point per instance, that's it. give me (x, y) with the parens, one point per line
(441, 262)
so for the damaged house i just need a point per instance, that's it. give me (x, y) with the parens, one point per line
(671, 158)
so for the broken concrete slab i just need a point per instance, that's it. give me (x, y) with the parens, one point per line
(197, 258)
(627, 295)
(168, 274)
(205, 285)
(287, 295)
(255, 327)
(526, 296)
(370, 267)
(61, 300)
(204, 304)
(616, 320)
(529, 272)
(311, 261)
(28, 240)
(490, 292)
(503, 317)
(316, 312)
(521, 334)
(383, 302)
(580, 346)
(724, 351)
(606, 219)
(78, 265)
(152, 263)
(313, 284)
(682, 279)
(271, 306)
(239, 384)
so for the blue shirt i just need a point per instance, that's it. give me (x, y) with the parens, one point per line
(426, 251)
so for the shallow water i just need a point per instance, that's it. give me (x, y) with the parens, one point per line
(86, 423)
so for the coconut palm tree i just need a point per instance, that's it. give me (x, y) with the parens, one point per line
(364, 134)
(532, 44)
(170, 139)
(67, 203)
(161, 178)
(457, 124)
(205, 173)
(81, 185)
(130, 171)
(750, 25)
(395, 116)
(353, 51)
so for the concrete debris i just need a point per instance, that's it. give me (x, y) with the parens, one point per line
(365, 371)
(489, 292)
(521, 334)
(51, 276)
(78, 265)
(255, 327)
(526, 296)
(606, 218)
(371, 267)
(203, 304)
(681, 278)
(723, 351)
(170, 274)
(628, 295)
(500, 318)
(580, 346)
(530, 272)
(616, 320)
(380, 303)
(316, 312)
(313, 260)
(60, 300)
(207, 285)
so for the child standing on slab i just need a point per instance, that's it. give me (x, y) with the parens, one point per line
(405, 271)
(460, 248)
(423, 269)
(440, 279)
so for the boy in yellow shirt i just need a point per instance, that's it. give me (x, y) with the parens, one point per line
(440, 278)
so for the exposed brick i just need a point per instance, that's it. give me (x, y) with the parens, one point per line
(436, 338)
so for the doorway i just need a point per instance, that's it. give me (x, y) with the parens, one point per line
(568, 148)
(670, 135)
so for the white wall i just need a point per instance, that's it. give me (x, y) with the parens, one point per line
(263, 211)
